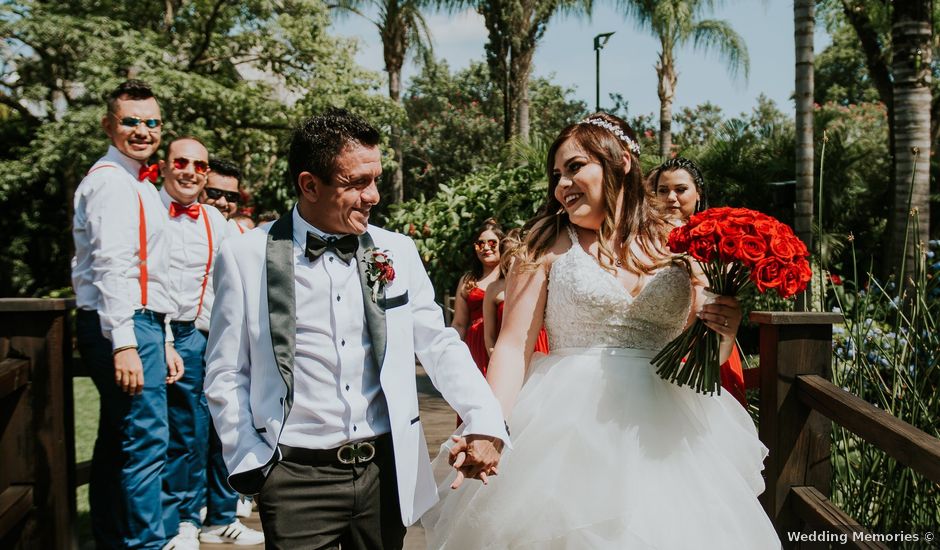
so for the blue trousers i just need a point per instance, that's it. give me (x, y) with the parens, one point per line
(221, 499)
(130, 449)
(184, 479)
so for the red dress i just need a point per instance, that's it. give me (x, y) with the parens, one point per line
(732, 376)
(474, 336)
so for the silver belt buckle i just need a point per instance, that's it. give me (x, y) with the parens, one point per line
(355, 453)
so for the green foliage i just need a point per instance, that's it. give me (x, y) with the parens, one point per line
(442, 226)
(236, 75)
(886, 353)
(454, 123)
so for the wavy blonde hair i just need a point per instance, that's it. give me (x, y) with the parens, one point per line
(639, 222)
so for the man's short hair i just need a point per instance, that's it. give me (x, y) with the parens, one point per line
(129, 89)
(227, 168)
(319, 140)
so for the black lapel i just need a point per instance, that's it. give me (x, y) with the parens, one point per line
(375, 315)
(279, 262)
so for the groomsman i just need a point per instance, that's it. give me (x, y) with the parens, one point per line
(119, 274)
(222, 188)
(311, 358)
(194, 233)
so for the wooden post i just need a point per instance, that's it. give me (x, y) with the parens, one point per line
(799, 438)
(38, 331)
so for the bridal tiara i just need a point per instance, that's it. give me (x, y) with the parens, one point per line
(614, 129)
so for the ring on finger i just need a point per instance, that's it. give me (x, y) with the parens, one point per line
(726, 321)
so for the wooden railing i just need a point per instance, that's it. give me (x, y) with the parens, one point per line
(798, 405)
(37, 491)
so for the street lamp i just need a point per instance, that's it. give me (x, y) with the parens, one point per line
(599, 42)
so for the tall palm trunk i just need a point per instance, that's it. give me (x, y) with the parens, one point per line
(804, 19)
(521, 70)
(911, 37)
(666, 72)
(398, 176)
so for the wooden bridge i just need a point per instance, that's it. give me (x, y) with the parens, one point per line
(798, 405)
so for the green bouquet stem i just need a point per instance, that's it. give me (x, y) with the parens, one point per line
(691, 359)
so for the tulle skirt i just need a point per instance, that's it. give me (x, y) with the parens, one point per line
(606, 454)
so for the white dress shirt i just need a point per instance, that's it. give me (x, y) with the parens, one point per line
(188, 242)
(337, 394)
(106, 229)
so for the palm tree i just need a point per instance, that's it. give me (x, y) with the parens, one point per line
(912, 40)
(804, 20)
(676, 23)
(403, 30)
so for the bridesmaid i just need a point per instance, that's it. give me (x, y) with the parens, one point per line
(680, 190)
(495, 298)
(468, 309)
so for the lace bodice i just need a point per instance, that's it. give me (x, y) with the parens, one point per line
(588, 307)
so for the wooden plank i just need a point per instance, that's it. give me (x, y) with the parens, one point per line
(15, 503)
(794, 318)
(816, 510)
(798, 437)
(82, 473)
(14, 374)
(908, 445)
(12, 305)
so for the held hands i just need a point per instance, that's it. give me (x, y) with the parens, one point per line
(129, 371)
(174, 364)
(474, 457)
(723, 315)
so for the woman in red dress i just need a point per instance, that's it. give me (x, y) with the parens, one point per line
(468, 308)
(495, 297)
(680, 190)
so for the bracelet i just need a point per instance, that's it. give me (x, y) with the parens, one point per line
(122, 348)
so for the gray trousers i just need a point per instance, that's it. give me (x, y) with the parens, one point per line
(306, 504)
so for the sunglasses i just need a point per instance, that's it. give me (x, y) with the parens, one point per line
(134, 122)
(481, 244)
(200, 166)
(216, 194)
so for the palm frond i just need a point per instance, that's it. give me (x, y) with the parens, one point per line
(718, 35)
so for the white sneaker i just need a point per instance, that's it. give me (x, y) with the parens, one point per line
(233, 533)
(243, 508)
(186, 539)
(202, 514)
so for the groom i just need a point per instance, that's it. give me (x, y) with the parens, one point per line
(310, 361)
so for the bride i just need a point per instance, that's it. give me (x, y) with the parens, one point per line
(605, 453)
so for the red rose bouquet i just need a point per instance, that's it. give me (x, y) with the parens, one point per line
(734, 247)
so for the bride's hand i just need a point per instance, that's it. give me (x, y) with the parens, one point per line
(723, 315)
(474, 457)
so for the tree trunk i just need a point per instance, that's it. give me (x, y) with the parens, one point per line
(398, 176)
(520, 71)
(804, 19)
(666, 72)
(911, 36)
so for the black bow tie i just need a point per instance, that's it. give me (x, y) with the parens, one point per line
(344, 247)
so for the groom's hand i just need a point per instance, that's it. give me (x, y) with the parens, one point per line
(475, 457)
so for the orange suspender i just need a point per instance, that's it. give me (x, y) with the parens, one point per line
(142, 232)
(205, 280)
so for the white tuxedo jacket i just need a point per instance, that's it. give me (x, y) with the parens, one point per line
(250, 358)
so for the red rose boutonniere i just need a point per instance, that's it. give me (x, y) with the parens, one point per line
(379, 270)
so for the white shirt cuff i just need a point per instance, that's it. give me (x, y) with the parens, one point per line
(123, 337)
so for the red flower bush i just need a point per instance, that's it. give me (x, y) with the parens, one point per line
(735, 247)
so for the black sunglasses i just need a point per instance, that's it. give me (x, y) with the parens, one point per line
(133, 122)
(216, 194)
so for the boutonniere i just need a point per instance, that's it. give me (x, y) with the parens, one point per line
(379, 270)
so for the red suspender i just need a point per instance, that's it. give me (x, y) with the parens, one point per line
(205, 280)
(142, 232)
(240, 228)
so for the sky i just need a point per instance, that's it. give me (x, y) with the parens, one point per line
(566, 55)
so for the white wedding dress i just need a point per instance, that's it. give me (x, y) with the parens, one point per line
(606, 454)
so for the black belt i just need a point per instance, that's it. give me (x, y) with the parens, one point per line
(183, 323)
(359, 452)
(158, 317)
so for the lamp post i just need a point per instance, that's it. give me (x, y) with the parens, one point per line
(599, 42)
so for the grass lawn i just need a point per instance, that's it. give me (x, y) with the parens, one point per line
(86, 428)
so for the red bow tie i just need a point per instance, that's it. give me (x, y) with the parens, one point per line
(149, 173)
(177, 209)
